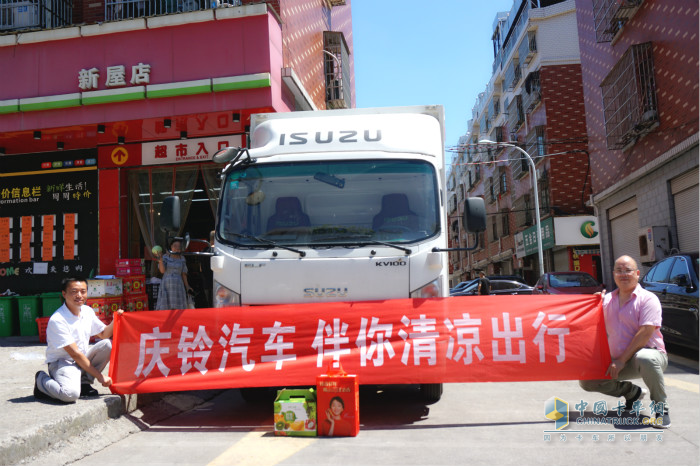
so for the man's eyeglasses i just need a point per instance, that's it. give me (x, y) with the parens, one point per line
(624, 271)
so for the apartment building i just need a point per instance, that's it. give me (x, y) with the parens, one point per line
(108, 106)
(534, 100)
(640, 85)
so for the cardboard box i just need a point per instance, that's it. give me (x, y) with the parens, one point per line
(125, 271)
(134, 285)
(134, 303)
(130, 262)
(338, 398)
(105, 288)
(104, 307)
(295, 413)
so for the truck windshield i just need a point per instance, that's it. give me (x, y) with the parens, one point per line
(329, 203)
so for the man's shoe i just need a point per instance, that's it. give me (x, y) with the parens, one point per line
(639, 394)
(86, 390)
(38, 394)
(664, 422)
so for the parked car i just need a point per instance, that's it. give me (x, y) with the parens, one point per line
(498, 287)
(461, 286)
(516, 278)
(675, 281)
(567, 283)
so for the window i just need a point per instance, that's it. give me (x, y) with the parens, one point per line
(336, 69)
(505, 223)
(629, 98)
(610, 16)
(503, 180)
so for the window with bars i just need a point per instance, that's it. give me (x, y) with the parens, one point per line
(516, 116)
(336, 70)
(629, 97)
(610, 16)
(505, 222)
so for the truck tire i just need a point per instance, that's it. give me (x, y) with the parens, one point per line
(431, 392)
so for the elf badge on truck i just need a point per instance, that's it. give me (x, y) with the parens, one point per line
(335, 205)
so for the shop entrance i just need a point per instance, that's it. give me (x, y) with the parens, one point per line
(197, 187)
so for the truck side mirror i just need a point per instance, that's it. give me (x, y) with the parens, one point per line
(475, 214)
(170, 214)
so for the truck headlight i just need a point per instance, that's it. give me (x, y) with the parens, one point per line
(224, 297)
(430, 290)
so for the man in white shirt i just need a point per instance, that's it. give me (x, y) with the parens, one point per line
(72, 362)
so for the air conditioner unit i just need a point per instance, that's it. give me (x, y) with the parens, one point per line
(653, 244)
(25, 14)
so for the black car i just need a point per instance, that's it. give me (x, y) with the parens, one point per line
(461, 286)
(498, 287)
(516, 278)
(675, 281)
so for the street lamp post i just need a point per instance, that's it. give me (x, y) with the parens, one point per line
(534, 189)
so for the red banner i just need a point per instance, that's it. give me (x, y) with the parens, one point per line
(405, 341)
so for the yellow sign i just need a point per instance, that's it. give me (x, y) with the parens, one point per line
(119, 156)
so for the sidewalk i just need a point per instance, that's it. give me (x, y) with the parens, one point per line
(29, 426)
(52, 433)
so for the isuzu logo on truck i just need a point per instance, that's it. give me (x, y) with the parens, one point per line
(329, 136)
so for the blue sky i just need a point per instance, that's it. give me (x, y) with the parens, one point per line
(410, 52)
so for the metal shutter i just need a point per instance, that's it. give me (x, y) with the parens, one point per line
(624, 226)
(685, 200)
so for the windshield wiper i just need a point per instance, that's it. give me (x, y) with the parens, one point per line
(363, 240)
(269, 242)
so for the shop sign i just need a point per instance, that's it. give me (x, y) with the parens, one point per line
(186, 150)
(530, 237)
(575, 231)
(115, 76)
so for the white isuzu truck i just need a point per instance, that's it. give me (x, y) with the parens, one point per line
(336, 205)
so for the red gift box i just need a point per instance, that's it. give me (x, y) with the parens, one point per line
(105, 306)
(134, 285)
(130, 262)
(337, 404)
(125, 271)
(135, 303)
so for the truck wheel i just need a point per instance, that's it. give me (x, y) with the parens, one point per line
(431, 392)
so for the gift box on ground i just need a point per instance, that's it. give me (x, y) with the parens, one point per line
(105, 288)
(338, 404)
(295, 413)
(130, 262)
(134, 303)
(134, 284)
(105, 306)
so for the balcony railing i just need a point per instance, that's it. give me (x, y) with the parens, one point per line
(116, 10)
(532, 95)
(35, 14)
(629, 97)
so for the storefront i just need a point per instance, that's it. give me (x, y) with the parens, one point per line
(107, 127)
(568, 243)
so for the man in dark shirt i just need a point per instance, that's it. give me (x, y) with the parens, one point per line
(484, 284)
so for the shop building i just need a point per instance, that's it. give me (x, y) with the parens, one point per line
(107, 107)
(640, 75)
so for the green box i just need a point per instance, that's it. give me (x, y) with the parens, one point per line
(295, 413)
(28, 309)
(50, 302)
(8, 316)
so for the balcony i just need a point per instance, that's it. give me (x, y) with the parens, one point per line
(35, 14)
(528, 48)
(629, 98)
(610, 16)
(516, 116)
(532, 95)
